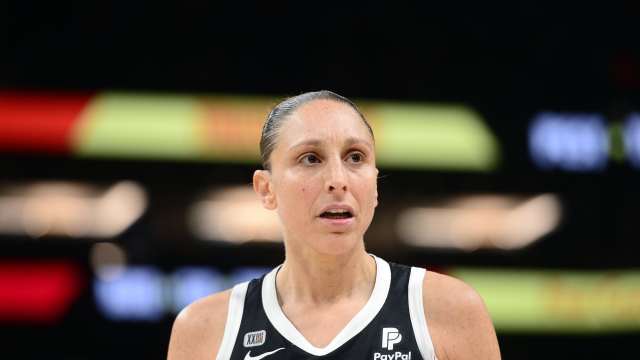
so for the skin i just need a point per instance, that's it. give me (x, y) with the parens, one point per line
(325, 156)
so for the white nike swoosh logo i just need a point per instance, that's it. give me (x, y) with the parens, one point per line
(249, 357)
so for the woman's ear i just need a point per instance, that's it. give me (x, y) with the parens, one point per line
(376, 203)
(262, 187)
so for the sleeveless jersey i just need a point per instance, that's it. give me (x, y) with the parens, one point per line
(391, 326)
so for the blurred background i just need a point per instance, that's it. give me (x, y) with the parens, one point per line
(508, 141)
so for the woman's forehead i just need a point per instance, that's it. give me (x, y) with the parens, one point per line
(324, 119)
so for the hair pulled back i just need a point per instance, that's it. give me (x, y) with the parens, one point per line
(280, 112)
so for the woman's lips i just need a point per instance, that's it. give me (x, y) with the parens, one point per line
(338, 222)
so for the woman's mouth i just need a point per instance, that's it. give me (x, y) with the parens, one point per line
(336, 214)
(338, 219)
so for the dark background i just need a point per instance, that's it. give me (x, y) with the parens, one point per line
(508, 61)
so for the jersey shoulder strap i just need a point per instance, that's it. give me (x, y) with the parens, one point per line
(416, 313)
(234, 319)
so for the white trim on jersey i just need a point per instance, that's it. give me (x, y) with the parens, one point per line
(355, 326)
(416, 312)
(234, 318)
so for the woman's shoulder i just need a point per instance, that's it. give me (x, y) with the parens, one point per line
(448, 294)
(198, 329)
(458, 319)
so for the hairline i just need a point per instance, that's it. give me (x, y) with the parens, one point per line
(289, 107)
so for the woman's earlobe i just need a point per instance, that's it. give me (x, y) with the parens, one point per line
(262, 187)
(269, 202)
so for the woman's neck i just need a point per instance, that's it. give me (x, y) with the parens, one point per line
(323, 279)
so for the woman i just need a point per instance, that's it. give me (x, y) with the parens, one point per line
(330, 299)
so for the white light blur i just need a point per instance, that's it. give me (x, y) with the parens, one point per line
(108, 260)
(234, 215)
(70, 209)
(119, 207)
(489, 221)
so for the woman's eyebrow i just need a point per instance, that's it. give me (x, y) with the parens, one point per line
(355, 140)
(308, 142)
(317, 142)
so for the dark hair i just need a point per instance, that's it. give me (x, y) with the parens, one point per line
(285, 108)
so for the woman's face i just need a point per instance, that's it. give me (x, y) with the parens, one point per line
(323, 178)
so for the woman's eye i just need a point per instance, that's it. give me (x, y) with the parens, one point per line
(310, 159)
(356, 157)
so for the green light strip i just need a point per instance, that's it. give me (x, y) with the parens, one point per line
(558, 302)
(139, 126)
(437, 136)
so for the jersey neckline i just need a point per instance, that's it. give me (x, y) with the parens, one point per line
(360, 321)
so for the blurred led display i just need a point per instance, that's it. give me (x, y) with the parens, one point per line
(632, 139)
(215, 217)
(137, 294)
(40, 121)
(558, 301)
(433, 136)
(567, 141)
(192, 283)
(139, 126)
(145, 293)
(480, 221)
(519, 300)
(227, 128)
(38, 291)
(247, 273)
(70, 209)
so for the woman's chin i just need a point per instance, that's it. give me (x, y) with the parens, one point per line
(336, 244)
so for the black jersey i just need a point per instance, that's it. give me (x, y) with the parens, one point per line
(391, 326)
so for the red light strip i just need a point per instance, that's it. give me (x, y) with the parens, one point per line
(39, 122)
(39, 292)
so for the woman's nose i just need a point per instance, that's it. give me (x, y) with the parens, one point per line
(343, 187)
(336, 178)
